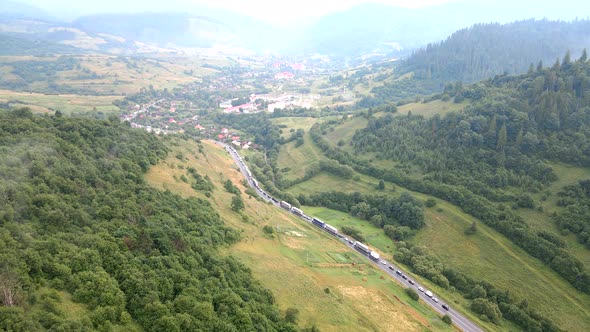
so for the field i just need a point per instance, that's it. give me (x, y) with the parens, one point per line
(345, 132)
(294, 124)
(306, 269)
(67, 104)
(117, 75)
(302, 156)
(566, 174)
(431, 108)
(487, 255)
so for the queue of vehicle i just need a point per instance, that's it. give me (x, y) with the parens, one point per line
(359, 246)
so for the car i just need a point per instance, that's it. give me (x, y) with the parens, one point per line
(446, 307)
(398, 272)
(434, 299)
(428, 293)
(404, 276)
(390, 267)
(411, 281)
(420, 288)
(350, 241)
(345, 239)
(383, 262)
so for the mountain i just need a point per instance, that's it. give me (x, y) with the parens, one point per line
(22, 10)
(392, 30)
(485, 50)
(13, 45)
(162, 29)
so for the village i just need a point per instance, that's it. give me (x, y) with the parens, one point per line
(233, 90)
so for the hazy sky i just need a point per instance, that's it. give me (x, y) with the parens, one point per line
(289, 11)
(269, 10)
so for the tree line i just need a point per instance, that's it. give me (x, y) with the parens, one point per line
(497, 217)
(489, 302)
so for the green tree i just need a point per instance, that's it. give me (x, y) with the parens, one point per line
(381, 185)
(584, 56)
(292, 315)
(471, 229)
(447, 319)
(478, 292)
(412, 293)
(237, 204)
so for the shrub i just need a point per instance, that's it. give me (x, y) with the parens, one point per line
(268, 229)
(447, 319)
(412, 294)
(431, 202)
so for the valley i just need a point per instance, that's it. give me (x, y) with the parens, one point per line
(456, 150)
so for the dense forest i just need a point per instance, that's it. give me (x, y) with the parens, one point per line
(77, 218)
(485, 50)
(495, 151)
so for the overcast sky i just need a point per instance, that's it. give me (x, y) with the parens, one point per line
(289, 11)
(269, 10)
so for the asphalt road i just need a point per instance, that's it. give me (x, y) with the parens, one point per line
(459, 320)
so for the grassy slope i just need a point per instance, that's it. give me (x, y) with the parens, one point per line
(487, 255)
(299, 262)
(116, 78)
(567, 174)
(68, 104)
(431, 108)
(290, 155)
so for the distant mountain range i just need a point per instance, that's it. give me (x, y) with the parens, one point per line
(361, 30)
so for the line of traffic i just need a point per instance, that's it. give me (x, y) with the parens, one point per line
(391, 269)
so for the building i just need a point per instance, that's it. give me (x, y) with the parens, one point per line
(284, 76)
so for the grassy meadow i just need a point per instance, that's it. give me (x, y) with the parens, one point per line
(305, 268)
(486, 255)
(67, 104)
(432, 108)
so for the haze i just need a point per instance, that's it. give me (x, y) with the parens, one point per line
(292, 12)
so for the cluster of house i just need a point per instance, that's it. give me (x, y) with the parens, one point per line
(294, 65)
(272, 103)
(226, 136)
(284, 76)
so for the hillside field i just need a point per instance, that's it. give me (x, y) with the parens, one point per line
(67, 104)
(486, 255)
(298, 262)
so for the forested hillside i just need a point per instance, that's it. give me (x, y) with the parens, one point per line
(485, 50)
(15, 45)
(493, 156)
(86, 245)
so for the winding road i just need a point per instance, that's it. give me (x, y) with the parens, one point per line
(390, 269)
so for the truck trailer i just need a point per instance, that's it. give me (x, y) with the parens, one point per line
(318, 222)
(361, 247)
(331, 229)
(296, 211)
(285, 205)
(374, 256)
